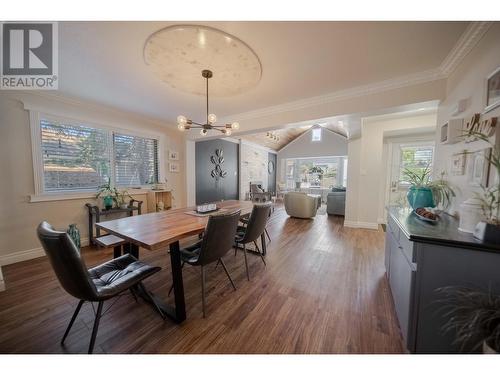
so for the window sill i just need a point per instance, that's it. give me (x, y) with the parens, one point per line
(72, 196)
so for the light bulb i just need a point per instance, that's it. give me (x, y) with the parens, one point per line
(235, 125)
(228, 131)
(181, 127)
(203, 132)
(182, 120)
(211, 118)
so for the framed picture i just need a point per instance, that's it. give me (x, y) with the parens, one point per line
(493, 90)
(480, 168)
(458, 164)
(173, 155)
(173, 167)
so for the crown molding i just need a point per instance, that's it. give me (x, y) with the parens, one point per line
(358, 91)
(471, 36)
(467, 41)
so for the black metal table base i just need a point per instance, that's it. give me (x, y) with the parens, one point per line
(177, 312)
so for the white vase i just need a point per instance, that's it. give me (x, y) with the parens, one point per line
(470, 215)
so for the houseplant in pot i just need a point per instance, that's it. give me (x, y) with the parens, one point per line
(120, 198)
(473, 317)
(424, 192)
(107, 192)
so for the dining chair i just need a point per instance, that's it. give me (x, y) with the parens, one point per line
(217, 240)
(253, 229)
(97, 284)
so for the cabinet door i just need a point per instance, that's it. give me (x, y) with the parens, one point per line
(401, 280)
(389, 239)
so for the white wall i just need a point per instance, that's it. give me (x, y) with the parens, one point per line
(468, 82)
(331, 144)
(18, 217)
(366, 165)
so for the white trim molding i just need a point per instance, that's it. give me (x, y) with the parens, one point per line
(467, 41)
(360, 225)
(471, 36)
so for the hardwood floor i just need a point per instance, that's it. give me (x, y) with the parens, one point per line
(323, 291)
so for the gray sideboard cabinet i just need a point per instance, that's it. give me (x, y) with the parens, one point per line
(421, 257)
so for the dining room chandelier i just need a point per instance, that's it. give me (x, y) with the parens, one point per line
(183, 123)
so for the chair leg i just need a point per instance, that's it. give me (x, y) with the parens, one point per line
(246, 260)
(235, 249)
(227, 273)
(75, 314)
(260, 253)
(203, 289)
(216, 264)
(267, 234)
(96, 326)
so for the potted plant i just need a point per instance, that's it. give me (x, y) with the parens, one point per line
(424, 192)
(119, 198)
(107, 192)
(488, 230)
(473, 317)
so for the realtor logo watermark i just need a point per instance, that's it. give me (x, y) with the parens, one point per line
(29, 59)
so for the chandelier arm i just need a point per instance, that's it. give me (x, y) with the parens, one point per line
(196, 123)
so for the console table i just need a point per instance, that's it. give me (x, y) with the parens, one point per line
(95, 214)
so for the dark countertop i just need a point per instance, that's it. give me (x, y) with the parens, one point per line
(444, 232)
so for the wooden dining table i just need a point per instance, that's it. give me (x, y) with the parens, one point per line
(162, 230)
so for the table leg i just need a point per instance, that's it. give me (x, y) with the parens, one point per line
(177, 312)
(175, 261)
(133, 249)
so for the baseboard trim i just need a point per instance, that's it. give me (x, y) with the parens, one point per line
(360, 224)
(21, 256)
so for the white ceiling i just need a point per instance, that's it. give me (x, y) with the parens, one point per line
(103, 61)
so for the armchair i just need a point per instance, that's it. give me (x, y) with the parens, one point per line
(300, 205)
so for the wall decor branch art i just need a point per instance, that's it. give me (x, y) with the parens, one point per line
(217, 160)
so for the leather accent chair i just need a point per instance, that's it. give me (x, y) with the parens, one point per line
(217, 240)
(97, 284)
(255, 227)
(300, 205)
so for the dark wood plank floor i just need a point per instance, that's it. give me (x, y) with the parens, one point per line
(323, 291)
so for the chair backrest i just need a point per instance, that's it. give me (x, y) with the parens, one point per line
(219, 237)
(257, 222)
(256, 188)
(67, 263)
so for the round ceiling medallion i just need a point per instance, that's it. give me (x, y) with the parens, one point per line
(177, 54)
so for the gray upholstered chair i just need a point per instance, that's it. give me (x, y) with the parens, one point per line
(217, 240)
(300, 205)
(254, 228)
(335, 202)
(96, 284)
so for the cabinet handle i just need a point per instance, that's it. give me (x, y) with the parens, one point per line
(400, 247)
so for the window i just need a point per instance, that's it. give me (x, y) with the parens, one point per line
(415, 158)
(136, 161)
(316, 135)
(72, 157)
(316, 172)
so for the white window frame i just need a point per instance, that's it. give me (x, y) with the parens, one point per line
(406, 185)
(36, 148)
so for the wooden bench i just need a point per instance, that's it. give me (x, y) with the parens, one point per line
(113, 241)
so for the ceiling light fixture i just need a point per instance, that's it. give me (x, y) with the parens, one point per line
(273, 136)
(183, 123)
